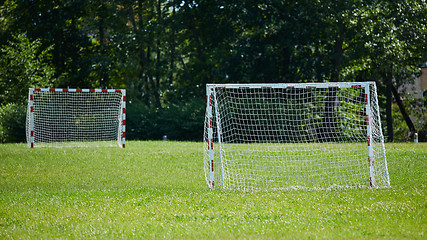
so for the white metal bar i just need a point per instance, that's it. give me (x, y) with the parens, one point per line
(293, 85)
(374, 90)
(369, 136)
(218, 128)
(97, 90)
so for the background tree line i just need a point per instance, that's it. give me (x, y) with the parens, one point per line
(165, 51)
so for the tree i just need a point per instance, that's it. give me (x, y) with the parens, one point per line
(165, 51)
(23, 64)
(390, 46)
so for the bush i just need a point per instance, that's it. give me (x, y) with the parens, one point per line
(178, 121)
(141, 122)
(422, 131)
(183, 120)
(12, 123)
(418, 116)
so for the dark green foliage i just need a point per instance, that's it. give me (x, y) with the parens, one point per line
(165, 51)
(275, 115)
(422, 133)
(178, 121)
(183, 120)
(141, 122)
(23, 64)
(12, 123)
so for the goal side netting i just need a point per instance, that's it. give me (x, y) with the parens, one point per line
(76, 117)
(293, 136)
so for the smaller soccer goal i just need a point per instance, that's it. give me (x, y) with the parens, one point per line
(76, 117)
(286, 136)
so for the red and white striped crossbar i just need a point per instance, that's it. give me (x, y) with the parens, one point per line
(95, 90)
(291, 85)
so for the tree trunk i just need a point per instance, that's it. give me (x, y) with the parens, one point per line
(103, 76)
(403, 110)
(172, 46)
(389, 118)
(337, 59)
(156, 83)
(285, 68)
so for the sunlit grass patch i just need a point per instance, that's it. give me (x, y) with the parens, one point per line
(152, 190)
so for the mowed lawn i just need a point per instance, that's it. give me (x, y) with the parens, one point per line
(152, 190)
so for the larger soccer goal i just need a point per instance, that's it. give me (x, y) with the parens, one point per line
(293, 136)
(76, 117)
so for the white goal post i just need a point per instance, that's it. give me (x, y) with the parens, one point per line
(293, 136)
(76, 117)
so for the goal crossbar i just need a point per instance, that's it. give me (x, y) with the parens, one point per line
(290, 85)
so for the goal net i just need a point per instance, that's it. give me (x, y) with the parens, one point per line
(286, 136)
(76, 117)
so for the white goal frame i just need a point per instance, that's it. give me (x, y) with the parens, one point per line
(373, 170)
(36, 134)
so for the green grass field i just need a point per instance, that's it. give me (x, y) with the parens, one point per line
(153, 190)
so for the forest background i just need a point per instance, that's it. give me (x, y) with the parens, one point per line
(163, 52)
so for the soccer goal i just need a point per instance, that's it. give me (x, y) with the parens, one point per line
(76, 117)
(286, 136)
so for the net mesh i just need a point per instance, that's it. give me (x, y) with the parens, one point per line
(76, 118)
(278, 138)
